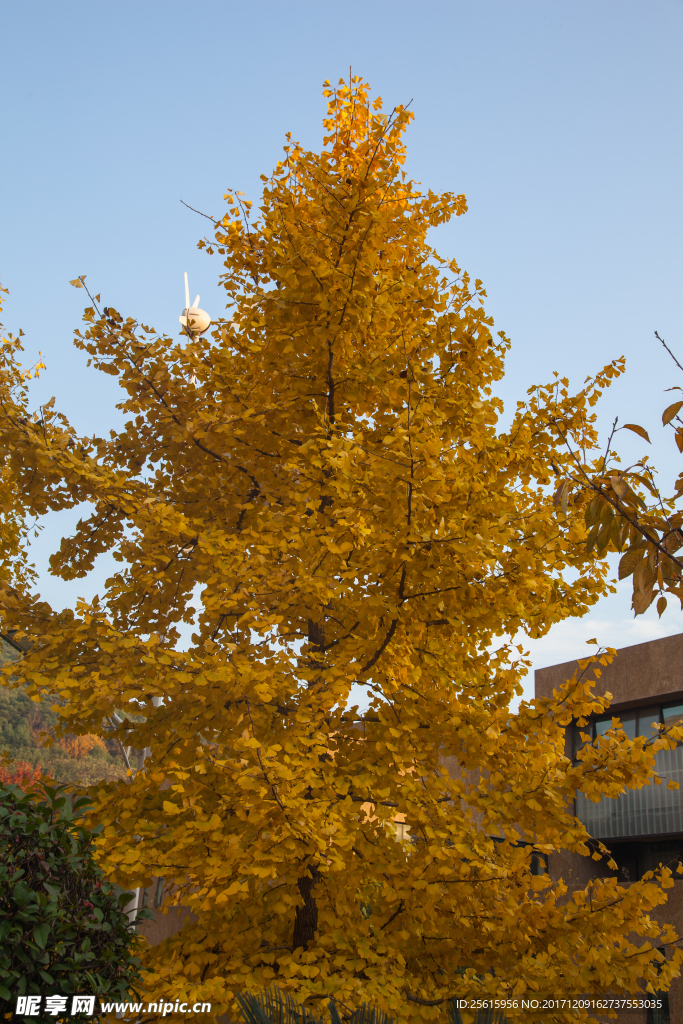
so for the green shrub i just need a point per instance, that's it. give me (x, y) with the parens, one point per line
(62, 927)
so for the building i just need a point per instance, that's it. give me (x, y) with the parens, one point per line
(642, 828)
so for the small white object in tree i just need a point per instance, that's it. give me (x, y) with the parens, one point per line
(196, 321)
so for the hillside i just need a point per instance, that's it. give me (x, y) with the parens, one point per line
(26, 726)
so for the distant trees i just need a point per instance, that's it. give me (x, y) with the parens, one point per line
(26, 729)
(20, 773)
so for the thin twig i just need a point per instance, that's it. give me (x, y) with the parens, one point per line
(208, 217)
(91, 297)
(657, 335)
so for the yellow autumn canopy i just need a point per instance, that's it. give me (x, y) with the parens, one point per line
(320, 488)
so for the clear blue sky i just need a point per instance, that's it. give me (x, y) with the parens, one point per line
(559, 119)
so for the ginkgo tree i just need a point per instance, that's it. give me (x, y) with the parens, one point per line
(319, 491)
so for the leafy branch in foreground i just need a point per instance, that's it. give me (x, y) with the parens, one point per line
(626, 511)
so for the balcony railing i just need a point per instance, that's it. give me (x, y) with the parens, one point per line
(650, 811)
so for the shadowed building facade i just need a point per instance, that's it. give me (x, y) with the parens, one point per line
(642, 828)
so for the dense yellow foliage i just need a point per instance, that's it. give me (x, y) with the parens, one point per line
(15, 569)
(321, 487)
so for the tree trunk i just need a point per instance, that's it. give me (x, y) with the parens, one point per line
(306, 920)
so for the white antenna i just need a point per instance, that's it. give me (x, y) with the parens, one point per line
(196, 321)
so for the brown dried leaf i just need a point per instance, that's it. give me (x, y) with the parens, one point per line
(641, 431)
(629, 561)
(669, 413)
(641, 601)
(557, 496)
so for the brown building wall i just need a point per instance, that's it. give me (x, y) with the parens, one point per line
(636, 676)
(164, 925)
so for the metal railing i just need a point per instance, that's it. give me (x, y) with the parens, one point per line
(650, 811)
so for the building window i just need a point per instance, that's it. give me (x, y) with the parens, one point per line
(159, 894)
(652, 810)
(636, 722)
(672, 714)
(635, 859)
(539, 863)
(662, 1015)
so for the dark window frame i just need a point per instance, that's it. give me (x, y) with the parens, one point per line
(538, 864)
(663, 1015)
(635, 857)
(642, 721)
